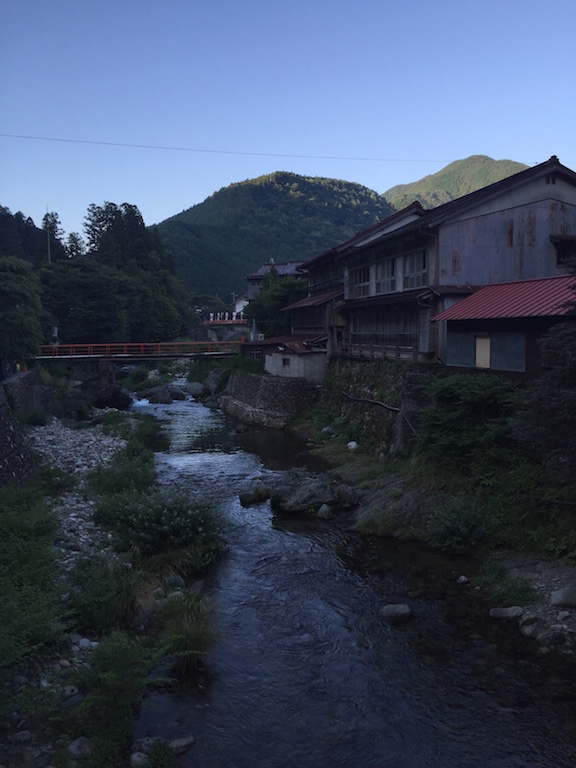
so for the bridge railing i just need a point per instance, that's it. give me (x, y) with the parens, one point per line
(144, 350)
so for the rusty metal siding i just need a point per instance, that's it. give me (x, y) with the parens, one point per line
(512, 244)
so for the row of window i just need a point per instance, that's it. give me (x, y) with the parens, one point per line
(382, 277)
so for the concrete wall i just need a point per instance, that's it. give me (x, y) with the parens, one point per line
(268, 401)
(311, 366)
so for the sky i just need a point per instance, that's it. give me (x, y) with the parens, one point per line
(162, 103)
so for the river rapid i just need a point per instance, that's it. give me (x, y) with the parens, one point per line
(305, 673)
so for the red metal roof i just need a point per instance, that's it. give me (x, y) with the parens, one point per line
(525, 298)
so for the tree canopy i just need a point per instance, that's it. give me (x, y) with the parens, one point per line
(20, 310)
(120, 286)
(275, 293)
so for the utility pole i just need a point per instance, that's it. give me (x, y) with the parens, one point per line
(48, 236)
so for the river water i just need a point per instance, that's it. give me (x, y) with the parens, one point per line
(305, 673)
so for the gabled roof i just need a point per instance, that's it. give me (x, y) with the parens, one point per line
(544, 297)
(286, 269)
(300, 344)
(414, 217)
(315, 301)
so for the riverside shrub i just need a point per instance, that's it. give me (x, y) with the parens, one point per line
(131, 469)
(101, 594)
(468, 416)
(459, 526)
(163, 521)
(28, 607)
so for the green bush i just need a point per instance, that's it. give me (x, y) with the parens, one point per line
(494, 580)
(136, 376)
(34, 418)
(52, 481)
(101, 595)
(28, 608)
(163, 521)
(131, 469)
(148, 432)
(459, 526)
(118, 674)
(188, 633)
(468, 415)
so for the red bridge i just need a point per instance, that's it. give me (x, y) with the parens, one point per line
(139, 351)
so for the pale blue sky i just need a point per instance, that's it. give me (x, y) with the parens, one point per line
(219, 91)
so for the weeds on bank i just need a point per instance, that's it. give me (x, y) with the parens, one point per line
(494, 580)
(28, 608)
(163, 521)
(118, 673)
(161, 533)
(102, 595)
(131, 470)
(139, 378)
(139, 427)
(187, 633)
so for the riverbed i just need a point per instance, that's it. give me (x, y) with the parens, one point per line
(306, 672)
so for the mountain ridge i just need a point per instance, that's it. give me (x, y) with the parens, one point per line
(291, 217)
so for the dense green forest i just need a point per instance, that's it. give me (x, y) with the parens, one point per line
(282, 216)
(455, 180)
(118, 286)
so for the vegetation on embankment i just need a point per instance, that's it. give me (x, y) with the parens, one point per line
(487, 464)
(131, 597)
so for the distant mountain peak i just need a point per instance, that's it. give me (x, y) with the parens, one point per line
(455, 180)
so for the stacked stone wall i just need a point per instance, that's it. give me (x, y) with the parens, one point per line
(26, 393)
(267, 400)
(16, 460)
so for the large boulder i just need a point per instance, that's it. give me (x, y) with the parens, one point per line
(159, 394)
(306, 494)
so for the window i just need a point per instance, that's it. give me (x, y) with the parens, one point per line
(360, 282)
(415, 274)
(385, 276)
(285, 362)
(565, 250)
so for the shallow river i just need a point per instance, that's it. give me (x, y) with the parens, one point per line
(305, 673)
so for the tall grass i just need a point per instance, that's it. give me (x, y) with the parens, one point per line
(28, 605)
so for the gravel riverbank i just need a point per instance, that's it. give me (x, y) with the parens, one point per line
(76, 451)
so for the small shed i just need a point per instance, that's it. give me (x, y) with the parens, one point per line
(295, 357)
(499, 327)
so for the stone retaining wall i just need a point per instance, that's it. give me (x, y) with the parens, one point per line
(16, 460)
(26, 393)
(266, 400)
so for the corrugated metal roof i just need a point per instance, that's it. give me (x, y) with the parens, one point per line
(544, 297)
(286, 269)
(315, 301)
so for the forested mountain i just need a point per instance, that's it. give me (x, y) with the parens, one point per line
(455, 180)
(282, 216)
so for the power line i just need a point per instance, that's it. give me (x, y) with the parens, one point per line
(217, 151)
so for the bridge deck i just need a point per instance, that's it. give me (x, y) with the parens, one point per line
(139, 351)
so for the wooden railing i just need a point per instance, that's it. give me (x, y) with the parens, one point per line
(140, 350)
